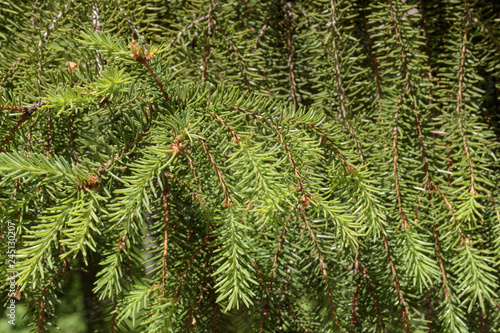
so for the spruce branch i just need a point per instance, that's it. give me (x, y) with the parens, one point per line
(165, 196)
(238, 54)
(287, 18)
(338, 77)
(206, 55)
(322, 266)
(134, 28)
(187, 28)
(11, 71)
(460, 97)
(227, 199)
(27, 112)
(402, 302)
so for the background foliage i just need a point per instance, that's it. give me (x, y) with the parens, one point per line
(241, 166)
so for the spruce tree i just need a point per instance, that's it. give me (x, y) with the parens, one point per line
(252, 166)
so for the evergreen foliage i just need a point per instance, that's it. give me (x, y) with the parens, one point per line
(253, 166)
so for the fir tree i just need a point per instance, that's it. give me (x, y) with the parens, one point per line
(253, 166)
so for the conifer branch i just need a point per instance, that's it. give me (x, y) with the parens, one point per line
(277, 251)
(485, 29)
(52, 25)
(375, 303)
(238, 54)
(296, 170)
(227, 198)
(338, 78)
(404, 222)
(189, 265)
(262, 31)
(42, 311)
(158, 82)
(429, 312)
(113, 311)
(441, 265)
(96, 22)
(27, 112)
(427, 43)
(450, 208)
(236, 138)
(460, 97)
(165, 196)
(134, 28)
(206, 55)
(72, 139)
(289, 43)
(109, 163)
(186, 28)
(322, 266)
(410, 88)
(375, 65)
(401, 299)
(48, 144)
(195, 196)
(11, 71)
(264, 284)
(354, 306)
(298, 320)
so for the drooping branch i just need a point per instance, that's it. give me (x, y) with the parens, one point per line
(409, 88)
(235, 136)
(186, 28)
(238, 54)
(165, 197)
(27, 112)
(402, 301)
(96, 22)
(338, 78)
(289, 43)
(206, 55)
(322, 266)
(11, 71)
(134, 28)
(441, 265)
(460, 97)
(222, 182)
(404, 222)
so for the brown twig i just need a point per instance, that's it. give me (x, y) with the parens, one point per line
(338, 77)
(298, 320)
(460, 96)
(27, 112)
(134, 28)
(206, 55)
(322, 266)
(375, 303)
(186, 28)
(153, 74)
(238, 54)
(165, 196)
(441, 265)
(190, 264)
(261, 32)
(72, 138)
(115, 313)
(97, 27)
(404, 222)
(236, 138)
(11, 70)
(289, 43)
(227, 198)
(402, 301)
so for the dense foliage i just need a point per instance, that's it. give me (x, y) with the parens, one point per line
(253, 166)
